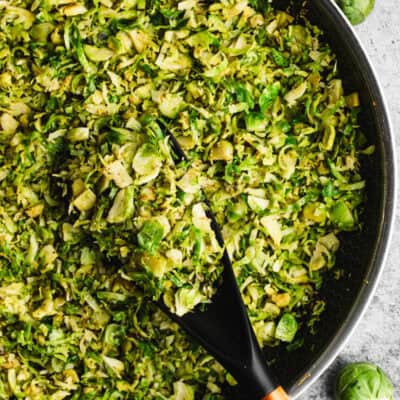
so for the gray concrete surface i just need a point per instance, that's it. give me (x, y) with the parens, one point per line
(377, 338)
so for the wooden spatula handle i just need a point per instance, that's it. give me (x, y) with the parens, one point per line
(278, 394)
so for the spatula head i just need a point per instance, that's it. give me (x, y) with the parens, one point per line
(224, 330)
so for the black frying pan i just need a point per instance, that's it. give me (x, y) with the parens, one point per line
(362, 254)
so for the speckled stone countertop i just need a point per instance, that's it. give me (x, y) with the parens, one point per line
(377, 338)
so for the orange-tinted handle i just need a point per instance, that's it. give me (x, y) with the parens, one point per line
(278, 394)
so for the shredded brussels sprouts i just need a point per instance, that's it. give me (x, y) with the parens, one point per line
(98, 217)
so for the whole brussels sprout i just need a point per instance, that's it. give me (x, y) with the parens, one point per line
(363, 381)
(356, 10)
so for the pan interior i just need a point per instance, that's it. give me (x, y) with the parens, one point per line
(360, 252)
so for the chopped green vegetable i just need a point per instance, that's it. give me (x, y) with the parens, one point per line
(97, 54)
(150, 236)
(78, 134)
(286, 328)
(182, 391)
(123, 206)
(171, 105)
(268, 96)
(279, 58)
(256, 122)
(99, 218)
(41, 32)
(342, 216)
(85, 201)
(223, 151)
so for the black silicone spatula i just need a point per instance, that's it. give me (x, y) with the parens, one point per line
(224, 330)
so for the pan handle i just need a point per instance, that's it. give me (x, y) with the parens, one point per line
(278, 394)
